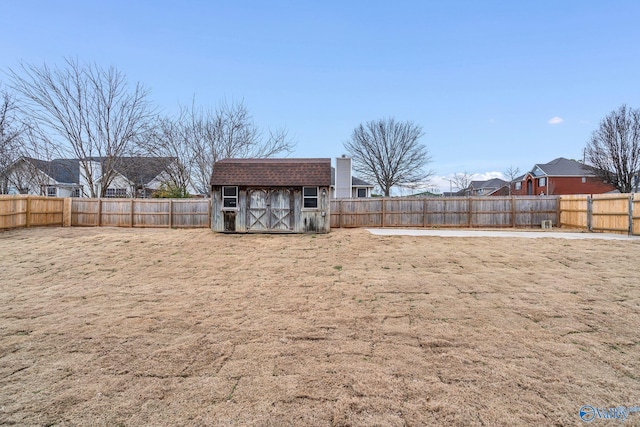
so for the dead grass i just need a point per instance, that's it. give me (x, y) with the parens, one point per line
(115, 327)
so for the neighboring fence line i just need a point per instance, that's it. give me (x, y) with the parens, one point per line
(490, 212)
(33, 211)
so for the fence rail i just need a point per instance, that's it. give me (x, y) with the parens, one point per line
(500, 212)
(618, 213)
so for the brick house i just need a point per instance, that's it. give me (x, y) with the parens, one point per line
(559, 176)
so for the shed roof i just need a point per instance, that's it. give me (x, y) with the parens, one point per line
(272, 172)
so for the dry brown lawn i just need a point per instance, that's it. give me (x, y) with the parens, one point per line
(132, 327)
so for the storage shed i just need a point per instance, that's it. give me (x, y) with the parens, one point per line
(271, 195)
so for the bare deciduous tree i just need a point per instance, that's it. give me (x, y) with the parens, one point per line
(462, 180)
(10, 133)
(199, 136)
(167, 137)
(231, 132)
(614, 149)
(511, 174)
(389, 153)
(85, 112)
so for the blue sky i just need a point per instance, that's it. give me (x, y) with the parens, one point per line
(493, 83)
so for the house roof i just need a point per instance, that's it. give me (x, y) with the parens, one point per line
(563, 167)
(491, 183)
(355, 181)
(272, 172)
(62, 170)
(139, 170)
(142, 170)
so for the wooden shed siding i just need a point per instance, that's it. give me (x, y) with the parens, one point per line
(304, 220)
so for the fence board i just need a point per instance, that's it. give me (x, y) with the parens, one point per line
(574, 211)
(84, 212)
(13, 211)
(191, 213)
(610, 212)
(635, 219)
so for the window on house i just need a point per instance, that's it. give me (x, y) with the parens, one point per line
(584, 179)
(51, 191)
(542, 182)
(230, 197)
(361, 192)
(75, 192)
(310, 197)
(115, 192)
(518, 185)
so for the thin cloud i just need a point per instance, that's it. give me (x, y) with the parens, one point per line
(555, 120)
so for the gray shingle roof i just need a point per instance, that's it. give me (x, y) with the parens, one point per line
(142, 170)
(564, 167)
(62, 170)
(139, 170)
(491, 183)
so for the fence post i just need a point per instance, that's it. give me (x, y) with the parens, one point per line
(469, 220)
(27, 219)
(558, 211)
(589, 213)
(99, 212)
(383, 200)
(424, 213)
(630, 214)
(513, 212)
(66, 212)
(170, 213)
(210, 211)
(340, 213)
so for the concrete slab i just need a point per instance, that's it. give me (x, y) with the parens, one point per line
(499, 233)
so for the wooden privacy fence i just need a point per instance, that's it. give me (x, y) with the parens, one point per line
(516, 211)
(618, 213)
(156, 213)
(28, 211)
(31, 211)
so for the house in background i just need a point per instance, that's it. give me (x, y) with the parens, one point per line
(55, 178)
(346, 186)
(134, 177)
(560, 176)
(491, 187)
(271, 195)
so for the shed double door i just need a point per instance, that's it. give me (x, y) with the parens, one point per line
(270, 210)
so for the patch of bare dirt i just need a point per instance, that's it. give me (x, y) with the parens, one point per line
(104, 326)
